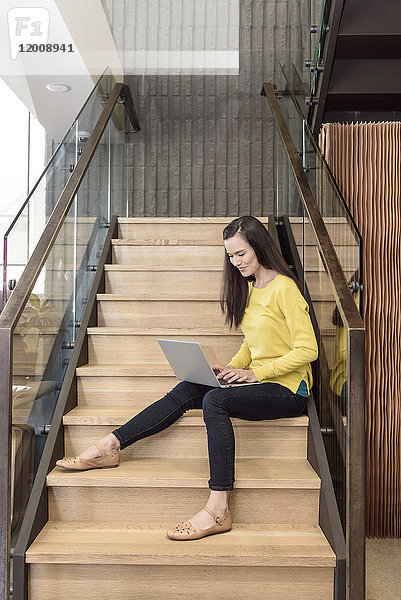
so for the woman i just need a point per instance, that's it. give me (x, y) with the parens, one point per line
(261, 295)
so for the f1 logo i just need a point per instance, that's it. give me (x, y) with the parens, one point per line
(27, 26)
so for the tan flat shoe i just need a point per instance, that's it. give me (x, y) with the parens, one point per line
(185, 531)
(105, 461)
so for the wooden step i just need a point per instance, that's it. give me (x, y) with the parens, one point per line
(143, 369)
(57, 581)
(169, 256)
(102, 504)
(347, 255)
(130, 544)
(155, 472)
(166, 242)
(207, 229)
(67, 558)
(172, 255)
(130, 390)
(180, 282)
(192, 230)
(267, 490)
(185, 284)
(116, 311)
(186, 437)
(123, 344)
(339, 228)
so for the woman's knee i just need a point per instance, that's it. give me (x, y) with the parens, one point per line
(186, 395)
(214, 400)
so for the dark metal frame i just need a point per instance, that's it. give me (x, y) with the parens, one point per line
(355, 433)
(15, 306)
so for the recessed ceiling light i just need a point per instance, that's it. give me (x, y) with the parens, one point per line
(58, 87)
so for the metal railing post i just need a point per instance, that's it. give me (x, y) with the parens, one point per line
(355, 480)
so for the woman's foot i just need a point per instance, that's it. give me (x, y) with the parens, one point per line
(103, 454)
(108, 443)
(213, 518)
(186, 531)
(204, 520)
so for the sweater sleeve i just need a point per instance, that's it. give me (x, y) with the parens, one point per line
(305, 349)
(243, 357)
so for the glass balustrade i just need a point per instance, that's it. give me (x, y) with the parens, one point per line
(24, 232)
(46, 331)
(336, 215)
(308, 213)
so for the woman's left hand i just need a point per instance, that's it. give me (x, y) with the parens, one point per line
(240, 375)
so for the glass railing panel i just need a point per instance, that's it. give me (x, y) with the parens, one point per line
(21, 237)
(328, 257)
(319, 15)
(118, 198)
(343, 231)
(38, 353)
(317, 285)
(307, 30)
(330, 389)
(287, 200)
(298, 36)
(45, 335)
(330, 392)
(91, 225)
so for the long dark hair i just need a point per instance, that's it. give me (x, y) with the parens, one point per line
(234, 292)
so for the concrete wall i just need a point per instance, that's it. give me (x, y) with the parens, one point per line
(206, 145)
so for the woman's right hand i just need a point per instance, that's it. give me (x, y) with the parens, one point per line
(220, 371)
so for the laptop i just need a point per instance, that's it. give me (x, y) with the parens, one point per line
(190, 364)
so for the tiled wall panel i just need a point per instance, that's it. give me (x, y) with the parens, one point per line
(206, 145)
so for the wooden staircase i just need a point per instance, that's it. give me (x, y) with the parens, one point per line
(106, 532)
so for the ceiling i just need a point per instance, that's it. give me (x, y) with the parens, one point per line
(85, 48)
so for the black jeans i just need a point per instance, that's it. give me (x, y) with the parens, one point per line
(252, 402)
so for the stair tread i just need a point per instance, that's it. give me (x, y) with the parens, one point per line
(122, 543)
(204, 220)
(163, 242)
(158, 332)
(117, 415)
(139, 267)
(160, 297)
(134, 369)
(288, 473)
(194, 296)
(193, 242)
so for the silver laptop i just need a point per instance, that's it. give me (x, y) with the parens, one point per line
(190, 364)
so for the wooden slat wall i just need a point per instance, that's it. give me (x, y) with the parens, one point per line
(366, 160)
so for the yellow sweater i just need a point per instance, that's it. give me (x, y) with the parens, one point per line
(279, 342)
